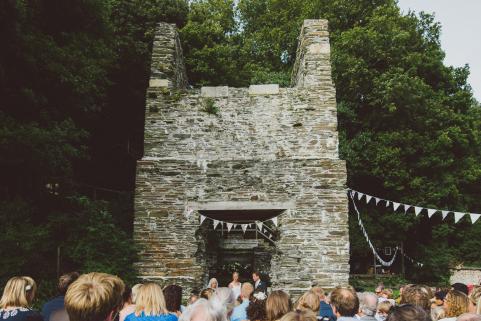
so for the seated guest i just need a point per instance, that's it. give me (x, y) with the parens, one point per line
(94, 297)
(173, 299)
(256, 311)
(225, 296)
(17, 298)
(345, 304)
(419, 295)
(325, 310)
(408, 312)
(278, 304)
(213, 284)
(129, 297)
(368, 306)
(469, 317)
(383, 309)
(204, 310)
(309, 301)
(455, 304)
(150, 305)
(475, 300)
(299, 316)
(259, 285)
(57, 303)
(240, 312)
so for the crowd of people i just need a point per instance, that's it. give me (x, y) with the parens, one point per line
(104, 297)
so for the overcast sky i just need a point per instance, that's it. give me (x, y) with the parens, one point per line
(461, 32)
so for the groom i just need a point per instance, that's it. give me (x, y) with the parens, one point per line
(259, 285)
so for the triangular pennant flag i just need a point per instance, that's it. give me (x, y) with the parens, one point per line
(202, 218)
(274, 220)
(259, 225)
(244, 227)
(445, 213)
(458, 216)
(406, 208)
(229, 226)
(377, 200)
(417, 210)
(395, 205)
(353, 194)
(474, 217)
(388, 203)
(359, 195)
(270, 236)
(216, 222)
(368, 198)
(431, 212)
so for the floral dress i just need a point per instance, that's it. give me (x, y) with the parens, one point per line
(19, 314)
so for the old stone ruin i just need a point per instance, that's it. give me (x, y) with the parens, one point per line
(242, 155)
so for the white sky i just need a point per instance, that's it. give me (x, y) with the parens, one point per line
(461, 33)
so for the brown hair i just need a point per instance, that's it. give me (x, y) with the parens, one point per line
(65, 280)
(300, 316)
(408, 312)
(345, 301)
(457, 303)
(418, 295)
(19, 292)
(319, 291)
(173, 297)
(93, 296)
(278, 304)
(206, 293)
(384, 306)
(309, 301)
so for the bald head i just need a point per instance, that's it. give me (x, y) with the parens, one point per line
(344, 302)
(368, 304)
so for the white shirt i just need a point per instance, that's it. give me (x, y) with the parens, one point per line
(257, 283)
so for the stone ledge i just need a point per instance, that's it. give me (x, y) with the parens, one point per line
(271, 89)
(219, 91)
(159, 83)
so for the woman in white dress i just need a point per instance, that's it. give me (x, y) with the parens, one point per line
(213, 284)
(235, 285)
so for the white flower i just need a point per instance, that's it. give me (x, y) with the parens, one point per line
(260, 296)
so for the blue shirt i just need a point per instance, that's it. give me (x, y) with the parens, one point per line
(325, 310)
(52, 306)
(18, 314)
(143, 317)
(240, 312)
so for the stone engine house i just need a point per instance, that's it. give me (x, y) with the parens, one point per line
(242, 155)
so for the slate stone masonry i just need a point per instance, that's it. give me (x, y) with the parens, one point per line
(259, 145)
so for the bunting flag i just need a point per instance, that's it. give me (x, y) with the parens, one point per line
(216, 222)
(229, 226)
(244, 227)
(274, 220)
(202, 218)
(259, 225)
(417, 209)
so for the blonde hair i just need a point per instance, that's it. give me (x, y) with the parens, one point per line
(277, 305)
(19, 292)
(384, 306)
(319, 291)
(93, 296)
(150, 300)
(457, 303)
(300, 316)
(309, 301)
(135, 291)
(388, 293)
(246, 290)
(475, 298)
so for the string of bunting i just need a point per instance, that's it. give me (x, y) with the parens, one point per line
(259, 225)
(417, 209)
(373, 249)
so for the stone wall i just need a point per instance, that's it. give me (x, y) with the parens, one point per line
(260, 145)
(466, 275)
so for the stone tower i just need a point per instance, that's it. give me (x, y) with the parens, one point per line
(243, 155)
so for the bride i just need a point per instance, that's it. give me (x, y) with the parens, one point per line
(235, 285)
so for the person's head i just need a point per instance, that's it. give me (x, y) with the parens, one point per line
(469, 317)
(344, 302)
(387, 293)
(298, 315)
(94, 297)
(309, 301)
(213, 284)
(320, 292)
(461, 287)
(379, 289)
(439, 297)
(257, 307)
(278, 304)
(150, 300)
(204, 310)
(383, 309)
(408, 312)
(18, 292)
(256, 276)
(475, 300)
(173, 297)
(225, 296)
(192, 299)
(206, 293)
(418, 295)
(246, 290)
(437, 313)
(368, 304)
(135, 291)
(235, 276)
(455, 303)
(65, 280)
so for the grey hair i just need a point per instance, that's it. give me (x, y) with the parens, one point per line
(368, 303)
(210, 310)
(225, 296)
